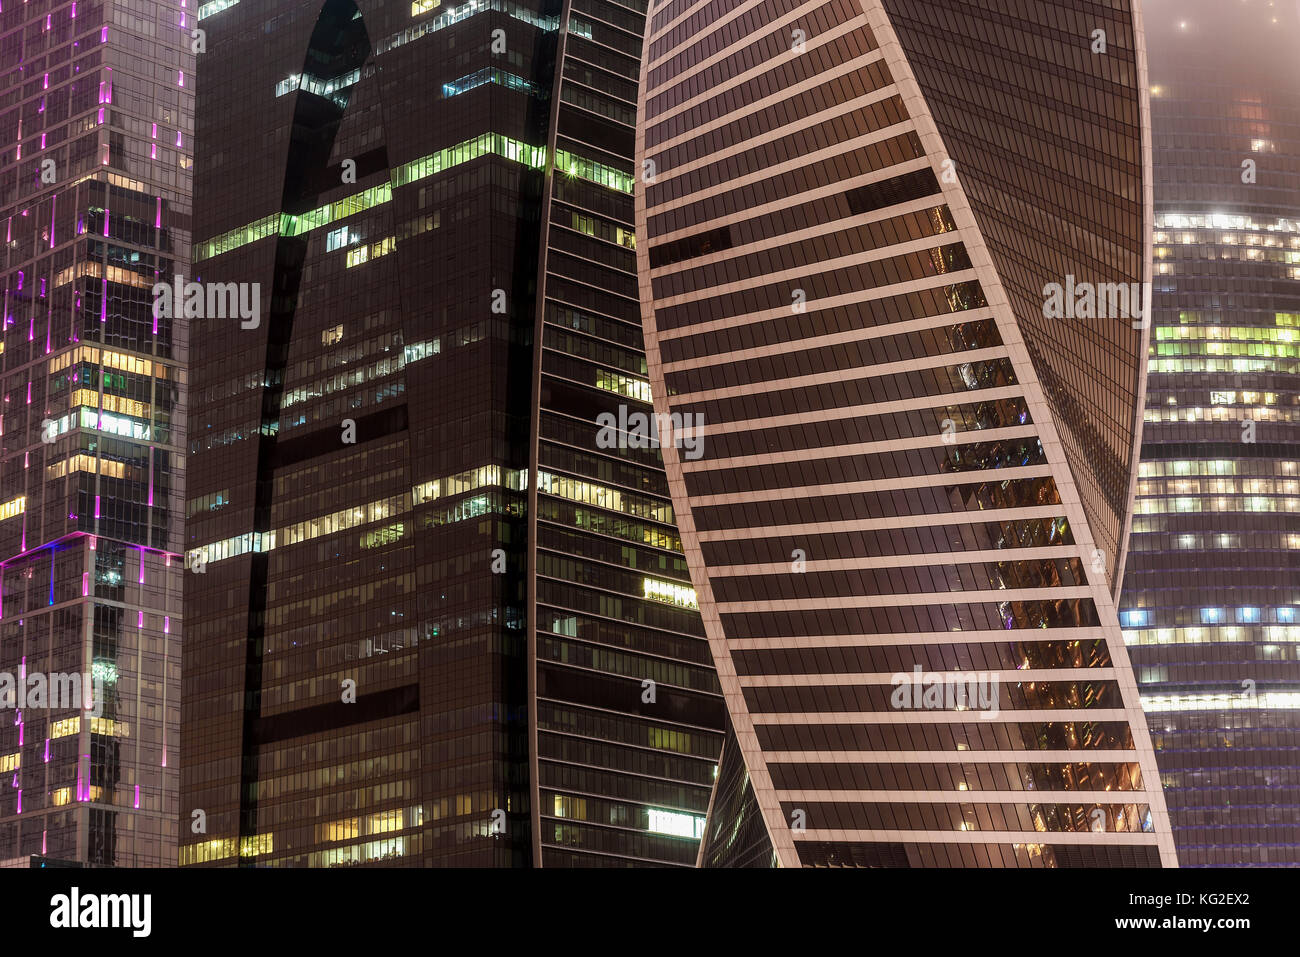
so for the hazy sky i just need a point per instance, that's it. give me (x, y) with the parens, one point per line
(1239, 36)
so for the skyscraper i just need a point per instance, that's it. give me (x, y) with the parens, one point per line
(439, 612)
(860, 227)
(95, 138)
(629, 715)
(1211, 594)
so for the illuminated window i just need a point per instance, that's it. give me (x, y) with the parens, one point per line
(254, 845)
(637, 389)
(485, 76)
(338, 238)
(583, 168)
(15, 506)
(214, 6)
(213, 850)
(285, 224)
(208, 503)
(385, 821)
(676, 824)
(109, 728)
(669, 593)
(66, 727)
(383, 536)
(345, 830)
(571, 807)
(364, 254)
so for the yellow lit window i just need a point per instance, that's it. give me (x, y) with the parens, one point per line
(213, 850)
(345, 830)
(670, 593)
(109, 727)
(15, 506)
(254, 845)
(386, 821)
(66, 727)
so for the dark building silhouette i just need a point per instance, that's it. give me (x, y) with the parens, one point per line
(1211, 595)
(95, 159)
(908, 523)
(439, 612)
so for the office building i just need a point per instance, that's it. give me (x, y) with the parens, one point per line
(1211, 593)
(95, 163)
(892, 257)
(438, 612)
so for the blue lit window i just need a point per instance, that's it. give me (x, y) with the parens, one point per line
(484, 76)
(1134, 619)
(339, 238)
(1286, 614)
(1211, 615)
(1247, 614)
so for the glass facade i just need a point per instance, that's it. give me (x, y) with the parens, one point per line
(469, 637)
(906, 467)
(625, 768)
(1210, 596)
(95, 163)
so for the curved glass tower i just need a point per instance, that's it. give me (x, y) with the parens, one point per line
(1211, 596)
(901, 467)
